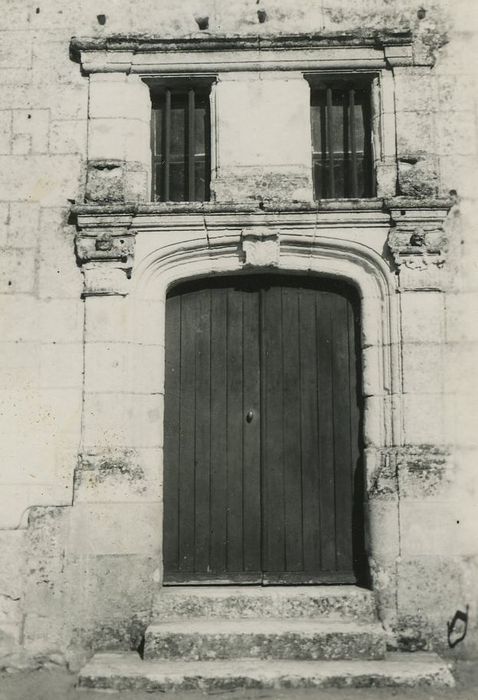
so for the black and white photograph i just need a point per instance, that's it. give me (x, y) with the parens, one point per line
(239, 349)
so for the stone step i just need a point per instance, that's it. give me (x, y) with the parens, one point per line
(332, 602)
(290, 638)
(126, 671)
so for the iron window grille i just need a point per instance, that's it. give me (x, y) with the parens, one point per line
(181, 143)
(342, 156)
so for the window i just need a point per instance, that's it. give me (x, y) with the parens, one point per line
(181, 143)
(342, 139)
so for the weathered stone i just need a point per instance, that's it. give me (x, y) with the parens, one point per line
(12, 583)
(381, 471)
(110, 671)
(260, 153)
(383, 528)
(120, 476)
(108, 278)
(103, 614)
(423, 470)
(113, 180)
(105, 181)
(418, 175)
(45, 590)
(264, 639)
(107, 245)
(429, 593)
(418, 239)
(233, 602)
(255, 183)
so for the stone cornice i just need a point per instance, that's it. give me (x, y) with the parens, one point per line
(198, 216)
(150, 54)
(152, 43)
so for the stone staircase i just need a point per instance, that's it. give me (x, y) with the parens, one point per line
(206, 638)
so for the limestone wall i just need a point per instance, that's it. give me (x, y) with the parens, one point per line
(48, 583)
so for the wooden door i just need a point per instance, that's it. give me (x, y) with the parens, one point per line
(261, 445)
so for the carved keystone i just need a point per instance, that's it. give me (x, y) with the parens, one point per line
(260, 248)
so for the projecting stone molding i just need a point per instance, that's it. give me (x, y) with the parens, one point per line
(330, 50)
(416, 238)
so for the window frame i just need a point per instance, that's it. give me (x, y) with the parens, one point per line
(357, 80)
(187, 85)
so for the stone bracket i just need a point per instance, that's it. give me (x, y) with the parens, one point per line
(417, 238)
(106, 246)
(260, 247)
(105, 250)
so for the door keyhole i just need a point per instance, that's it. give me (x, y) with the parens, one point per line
(250, 416)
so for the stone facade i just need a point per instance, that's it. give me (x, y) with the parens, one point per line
(87, 260)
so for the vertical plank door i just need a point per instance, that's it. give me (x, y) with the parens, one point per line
(310, 436)
(261, 444)
(212, 514)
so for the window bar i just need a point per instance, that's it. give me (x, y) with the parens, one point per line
(191, 146)
(353, 145)
(167, 141)
(154, 149)
(330, 139)
(370, 174)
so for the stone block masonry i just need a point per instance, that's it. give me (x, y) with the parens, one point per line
(82, 345)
